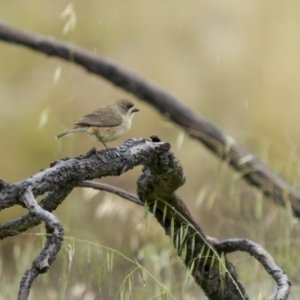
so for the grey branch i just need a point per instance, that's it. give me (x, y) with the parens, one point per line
(162, 176)
(111, 189)
(257, 251)
(249, 166)
(227, 246)
(156, 187)
(55, 234)
(67, 173)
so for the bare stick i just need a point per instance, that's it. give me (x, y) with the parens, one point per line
(44, 260)
(111, 189)
(249, 166)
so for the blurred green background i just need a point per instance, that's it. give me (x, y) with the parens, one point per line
(236, 62)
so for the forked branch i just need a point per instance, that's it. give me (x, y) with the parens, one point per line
(162, 176)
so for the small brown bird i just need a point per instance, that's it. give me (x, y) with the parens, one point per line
(107, 123)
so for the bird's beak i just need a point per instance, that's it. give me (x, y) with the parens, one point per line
(135, 110)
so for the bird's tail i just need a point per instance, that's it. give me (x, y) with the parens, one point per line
(78, 129)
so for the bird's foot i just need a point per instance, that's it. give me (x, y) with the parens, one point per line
(91, 152)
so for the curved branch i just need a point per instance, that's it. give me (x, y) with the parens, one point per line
(232, 245)
(111, 189)
(21, 224)
(225, 247)
(55, 234)
(251, 168)
(157, 187)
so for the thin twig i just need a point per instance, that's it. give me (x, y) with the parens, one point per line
(111, 189)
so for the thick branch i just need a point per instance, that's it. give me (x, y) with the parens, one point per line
(65, 174)
(54, 240)
(157, 187)
(162, 176)
(251, 168)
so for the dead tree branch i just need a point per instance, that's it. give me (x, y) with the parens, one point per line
(251, 168)
(257, 251)
(156, 188)
(194, 238)
(55, 234)
(111, 189)
(65, 174)
(162, 176)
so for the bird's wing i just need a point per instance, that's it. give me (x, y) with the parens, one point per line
(100, 120)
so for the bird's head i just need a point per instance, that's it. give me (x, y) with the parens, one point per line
(126, 107)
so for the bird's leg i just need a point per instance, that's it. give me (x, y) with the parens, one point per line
(101, 140)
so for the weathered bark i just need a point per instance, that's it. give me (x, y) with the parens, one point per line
(46, 257)
(221, 247)
(67, 173)
(156, 187)
(162, 176)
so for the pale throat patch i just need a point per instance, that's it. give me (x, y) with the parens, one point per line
(130, 113)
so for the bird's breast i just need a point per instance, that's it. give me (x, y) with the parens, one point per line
(108, 134)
